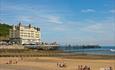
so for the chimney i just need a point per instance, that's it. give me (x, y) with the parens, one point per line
(38, 29)
(20, 23)
(30, 26)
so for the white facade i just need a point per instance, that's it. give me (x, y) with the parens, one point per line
(25, 34)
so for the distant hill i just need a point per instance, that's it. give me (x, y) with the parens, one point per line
(4, 31)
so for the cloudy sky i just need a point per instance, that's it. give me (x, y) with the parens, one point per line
(65, 21)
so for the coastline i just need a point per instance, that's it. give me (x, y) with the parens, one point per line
(50, 53)
(47, 60)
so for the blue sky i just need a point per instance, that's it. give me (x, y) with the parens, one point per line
(65, 21)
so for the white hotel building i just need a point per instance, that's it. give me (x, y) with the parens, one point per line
(21, 34)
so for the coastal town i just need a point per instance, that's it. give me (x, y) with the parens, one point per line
(57, 35)
(21, 36)
(24, 45)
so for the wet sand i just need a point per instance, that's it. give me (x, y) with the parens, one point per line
(50, 63)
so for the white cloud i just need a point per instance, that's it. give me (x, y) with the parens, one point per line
(88, 10)
(104, 27)
(94, 28)
(112, 11)
(54, 19)
(25, 18)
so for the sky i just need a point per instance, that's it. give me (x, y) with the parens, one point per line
(75, 22)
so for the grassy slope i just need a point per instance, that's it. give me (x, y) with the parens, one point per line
(4, 31)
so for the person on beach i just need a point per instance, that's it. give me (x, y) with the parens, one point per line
(61, 65)
(89, 68)
(57, 64)
(106, 68)
(85, 67)
(81, 67)
(110, 68)
(78, 67)
(21, 58)
(10, 61)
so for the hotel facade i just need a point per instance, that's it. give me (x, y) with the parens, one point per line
(21, 34)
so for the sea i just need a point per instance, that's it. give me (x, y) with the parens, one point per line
(104, 50)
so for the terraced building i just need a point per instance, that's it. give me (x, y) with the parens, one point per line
(21, 34)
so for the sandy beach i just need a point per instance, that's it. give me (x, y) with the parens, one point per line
(50, 63)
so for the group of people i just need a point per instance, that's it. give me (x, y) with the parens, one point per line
(83, 67)
(61, 64)
(14, 61)
(106, 68)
